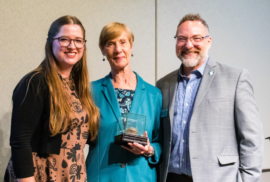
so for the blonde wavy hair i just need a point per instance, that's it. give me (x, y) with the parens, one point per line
(60, 112)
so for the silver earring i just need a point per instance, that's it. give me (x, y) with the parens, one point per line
(103, 58)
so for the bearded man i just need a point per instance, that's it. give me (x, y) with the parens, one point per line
(211, 126)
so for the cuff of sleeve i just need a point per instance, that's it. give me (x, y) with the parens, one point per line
(155, 158)
(22, 161)
(24, 171)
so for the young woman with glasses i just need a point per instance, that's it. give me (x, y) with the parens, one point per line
(53, 113)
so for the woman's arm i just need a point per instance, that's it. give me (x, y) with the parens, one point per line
(156, 133)
(29, 179)
(28, 104)
(152, 148)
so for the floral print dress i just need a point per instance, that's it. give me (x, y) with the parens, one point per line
(69, 165)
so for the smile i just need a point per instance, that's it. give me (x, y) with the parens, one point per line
(118, 58)
(189, 53)
(70, 53)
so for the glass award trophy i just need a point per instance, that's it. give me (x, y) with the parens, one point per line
(130, 129)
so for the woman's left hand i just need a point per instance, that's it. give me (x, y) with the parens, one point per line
(139, 149)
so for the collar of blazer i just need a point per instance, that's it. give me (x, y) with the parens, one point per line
(206, 81)
(204, 86)
(109, 94)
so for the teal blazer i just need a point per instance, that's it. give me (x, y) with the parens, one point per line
(107, 162)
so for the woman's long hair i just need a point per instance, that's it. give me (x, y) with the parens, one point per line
(60, 112)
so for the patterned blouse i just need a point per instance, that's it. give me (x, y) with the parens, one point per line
(125, 98)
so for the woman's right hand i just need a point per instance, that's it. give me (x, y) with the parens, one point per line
(29, 179)
(138, 149)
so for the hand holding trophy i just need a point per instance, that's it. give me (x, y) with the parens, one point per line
(131, 134)
(139, 149)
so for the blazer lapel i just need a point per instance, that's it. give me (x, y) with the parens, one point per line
(109, 93)
(173, 91)
(206, 81)
(138, 96)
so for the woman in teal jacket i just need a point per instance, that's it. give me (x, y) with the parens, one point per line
(123, 91)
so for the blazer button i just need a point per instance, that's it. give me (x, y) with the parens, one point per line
(122, 165)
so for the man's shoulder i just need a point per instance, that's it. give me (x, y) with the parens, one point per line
(225, 71)
(167, 78)
(228, 68)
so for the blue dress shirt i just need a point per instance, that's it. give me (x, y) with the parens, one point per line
(184, 103)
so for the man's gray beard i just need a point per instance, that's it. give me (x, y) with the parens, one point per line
(190, 63)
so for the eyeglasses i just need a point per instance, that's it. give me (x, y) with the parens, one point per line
(181, 40)
(65, 41)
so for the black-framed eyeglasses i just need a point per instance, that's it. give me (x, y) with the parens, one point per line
(65, 41)
(195, 39)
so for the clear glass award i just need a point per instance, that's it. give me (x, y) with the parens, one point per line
(130, 129)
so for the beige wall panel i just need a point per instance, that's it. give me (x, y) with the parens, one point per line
(240, 37)
(24, 26)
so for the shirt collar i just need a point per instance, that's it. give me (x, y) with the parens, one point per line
(200, 70)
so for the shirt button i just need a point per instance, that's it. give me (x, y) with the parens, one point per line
(184, 121)
(186, 104)
(183, 140)
(122, 165)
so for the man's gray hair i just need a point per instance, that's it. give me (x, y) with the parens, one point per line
(193, 17)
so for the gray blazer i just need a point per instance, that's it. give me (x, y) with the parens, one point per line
(226, 138)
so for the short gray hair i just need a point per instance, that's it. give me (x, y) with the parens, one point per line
(193, 17)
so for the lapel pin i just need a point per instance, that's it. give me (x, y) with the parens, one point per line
(211, 72)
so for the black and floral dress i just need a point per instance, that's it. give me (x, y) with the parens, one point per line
(69, 165)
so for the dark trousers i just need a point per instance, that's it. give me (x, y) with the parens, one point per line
(173, 177)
